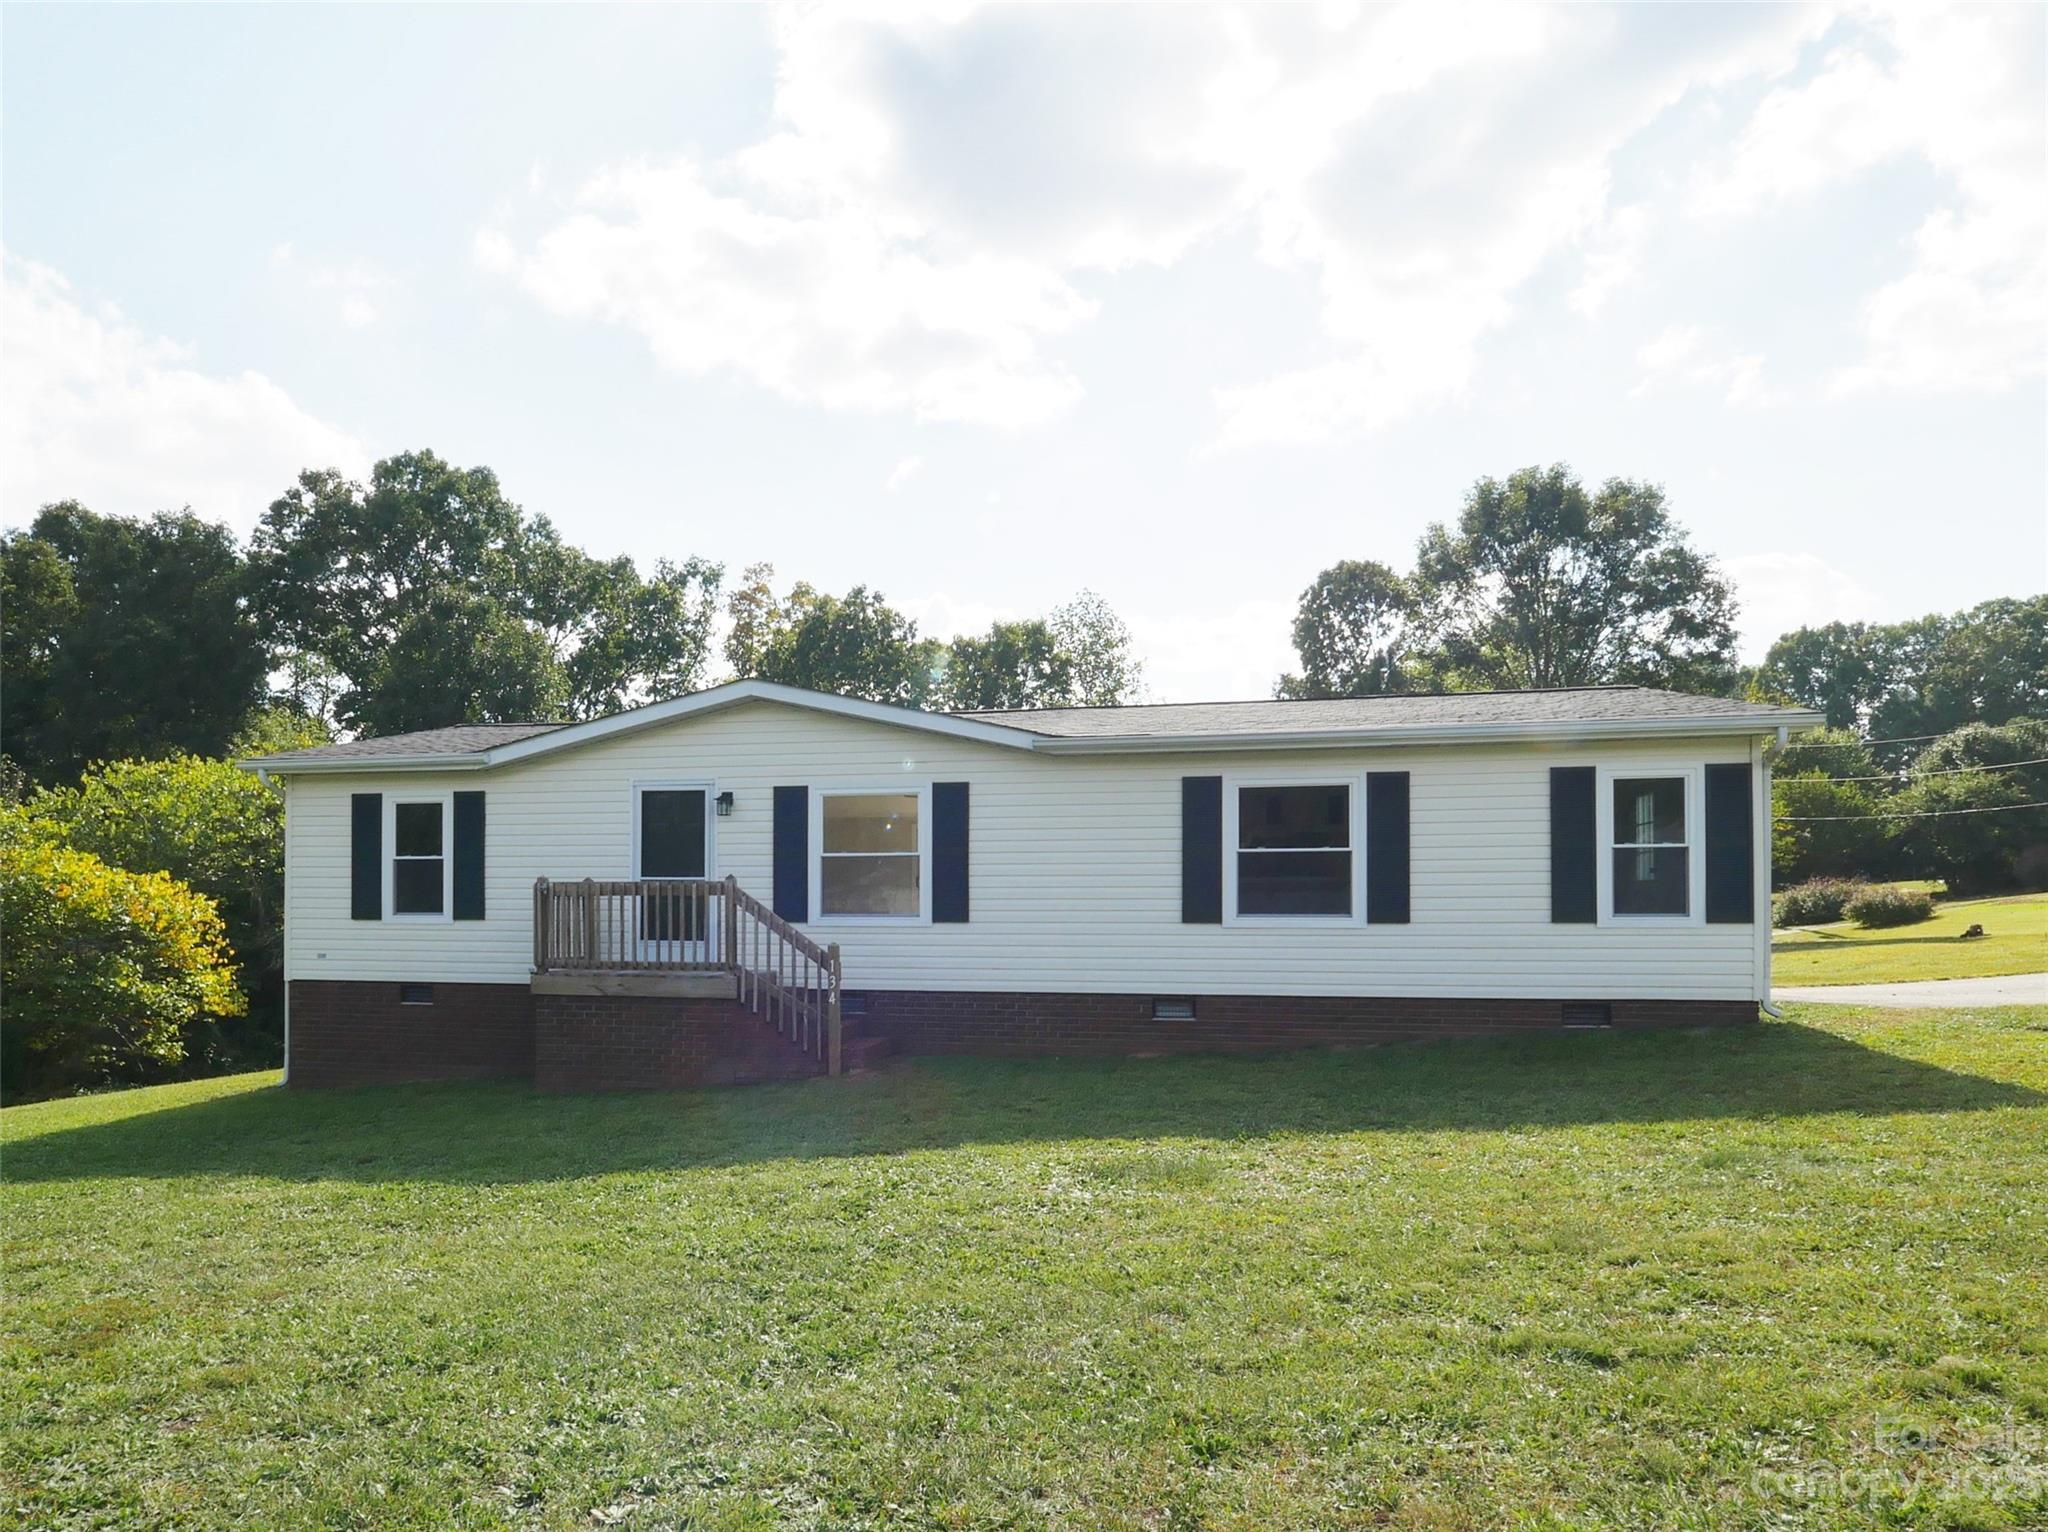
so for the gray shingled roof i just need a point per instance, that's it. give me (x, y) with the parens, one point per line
(1189, 720)
(1566, 705)
(462, 739)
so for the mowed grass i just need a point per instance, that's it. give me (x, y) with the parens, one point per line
(1696, 1279)
(2015, 940)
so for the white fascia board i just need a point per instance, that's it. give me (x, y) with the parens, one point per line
(363, 763)
(735, 692)
(1432, 734)
(732, 694)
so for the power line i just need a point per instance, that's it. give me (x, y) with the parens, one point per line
(1859, 742)
(1946, 771)
(1814, 819)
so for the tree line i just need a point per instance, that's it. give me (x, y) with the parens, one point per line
(1542, 582)
(423, 597)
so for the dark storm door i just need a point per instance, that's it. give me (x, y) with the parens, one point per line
(675, 839)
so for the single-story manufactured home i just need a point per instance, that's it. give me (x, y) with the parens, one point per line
(757, 881)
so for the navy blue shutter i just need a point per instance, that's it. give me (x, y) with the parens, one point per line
(1386, 847)
(949, 852)
(366, 856)
(793, 853)
(1574, 859)
(469, 856)
(1731, 847)
(1201, 850)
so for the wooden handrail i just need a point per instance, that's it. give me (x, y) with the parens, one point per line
(695, 925)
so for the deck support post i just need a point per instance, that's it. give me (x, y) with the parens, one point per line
(832, 1009)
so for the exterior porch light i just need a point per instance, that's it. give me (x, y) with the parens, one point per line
(725, 805)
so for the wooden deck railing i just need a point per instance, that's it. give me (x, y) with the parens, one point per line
(695, 925)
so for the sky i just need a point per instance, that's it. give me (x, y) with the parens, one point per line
(979, 307)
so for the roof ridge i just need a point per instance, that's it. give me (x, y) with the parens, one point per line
(1486, 691)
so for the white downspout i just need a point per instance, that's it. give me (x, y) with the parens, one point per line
(1765, 821)
(284, 947)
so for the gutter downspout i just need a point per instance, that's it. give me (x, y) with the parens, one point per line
(1766, 822)
(284, 946)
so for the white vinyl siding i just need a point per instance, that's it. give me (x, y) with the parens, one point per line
(1076, 868)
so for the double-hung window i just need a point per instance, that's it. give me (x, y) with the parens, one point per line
(418, 870)
(1292, 853)
(1651, 869)
(871, 855)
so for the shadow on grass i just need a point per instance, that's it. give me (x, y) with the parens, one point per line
(493, 1133)
(1831, 941)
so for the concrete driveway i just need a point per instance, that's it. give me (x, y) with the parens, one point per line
(2012, 989)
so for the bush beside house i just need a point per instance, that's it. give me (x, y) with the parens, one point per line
(111, 976)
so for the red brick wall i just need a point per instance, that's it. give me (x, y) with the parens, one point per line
(939, 1021)
(356, 1033)
(353, 1033)
(639, 1042)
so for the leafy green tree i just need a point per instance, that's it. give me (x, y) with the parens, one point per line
(1095, 645)
(1829, 669)
(855, 645)
(124, 637)
(1922, 677)
(214, 828)
(1971, 786)
(1827, 790)
(1541, 584)
(1832, 753)
(110, 975)
(1824, 828)
(353, 578)
(1353, 631)
(1969, 830)
(459, 657)
(275, 729)
(756, 615)
(204, 821)
(1014, 665)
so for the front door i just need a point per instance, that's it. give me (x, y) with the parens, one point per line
(674, 831)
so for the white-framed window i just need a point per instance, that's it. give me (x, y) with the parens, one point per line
(1651, 868)
(419, 856)
(1292, 849)
(871, 857)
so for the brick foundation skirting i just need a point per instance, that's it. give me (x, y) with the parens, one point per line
(358, 1032)
(941, 1021)
(645, 1042)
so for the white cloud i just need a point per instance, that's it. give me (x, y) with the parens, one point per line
(1961, 92)
(824, 304)
(349, 287)
(1443, 158)
(929, 213)
(1614, 256)
(903, 473)
(1781, 590)
(92, 408)
(1686, 355)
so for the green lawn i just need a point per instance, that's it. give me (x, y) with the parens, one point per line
(2015, 940)
(1604, 1280)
